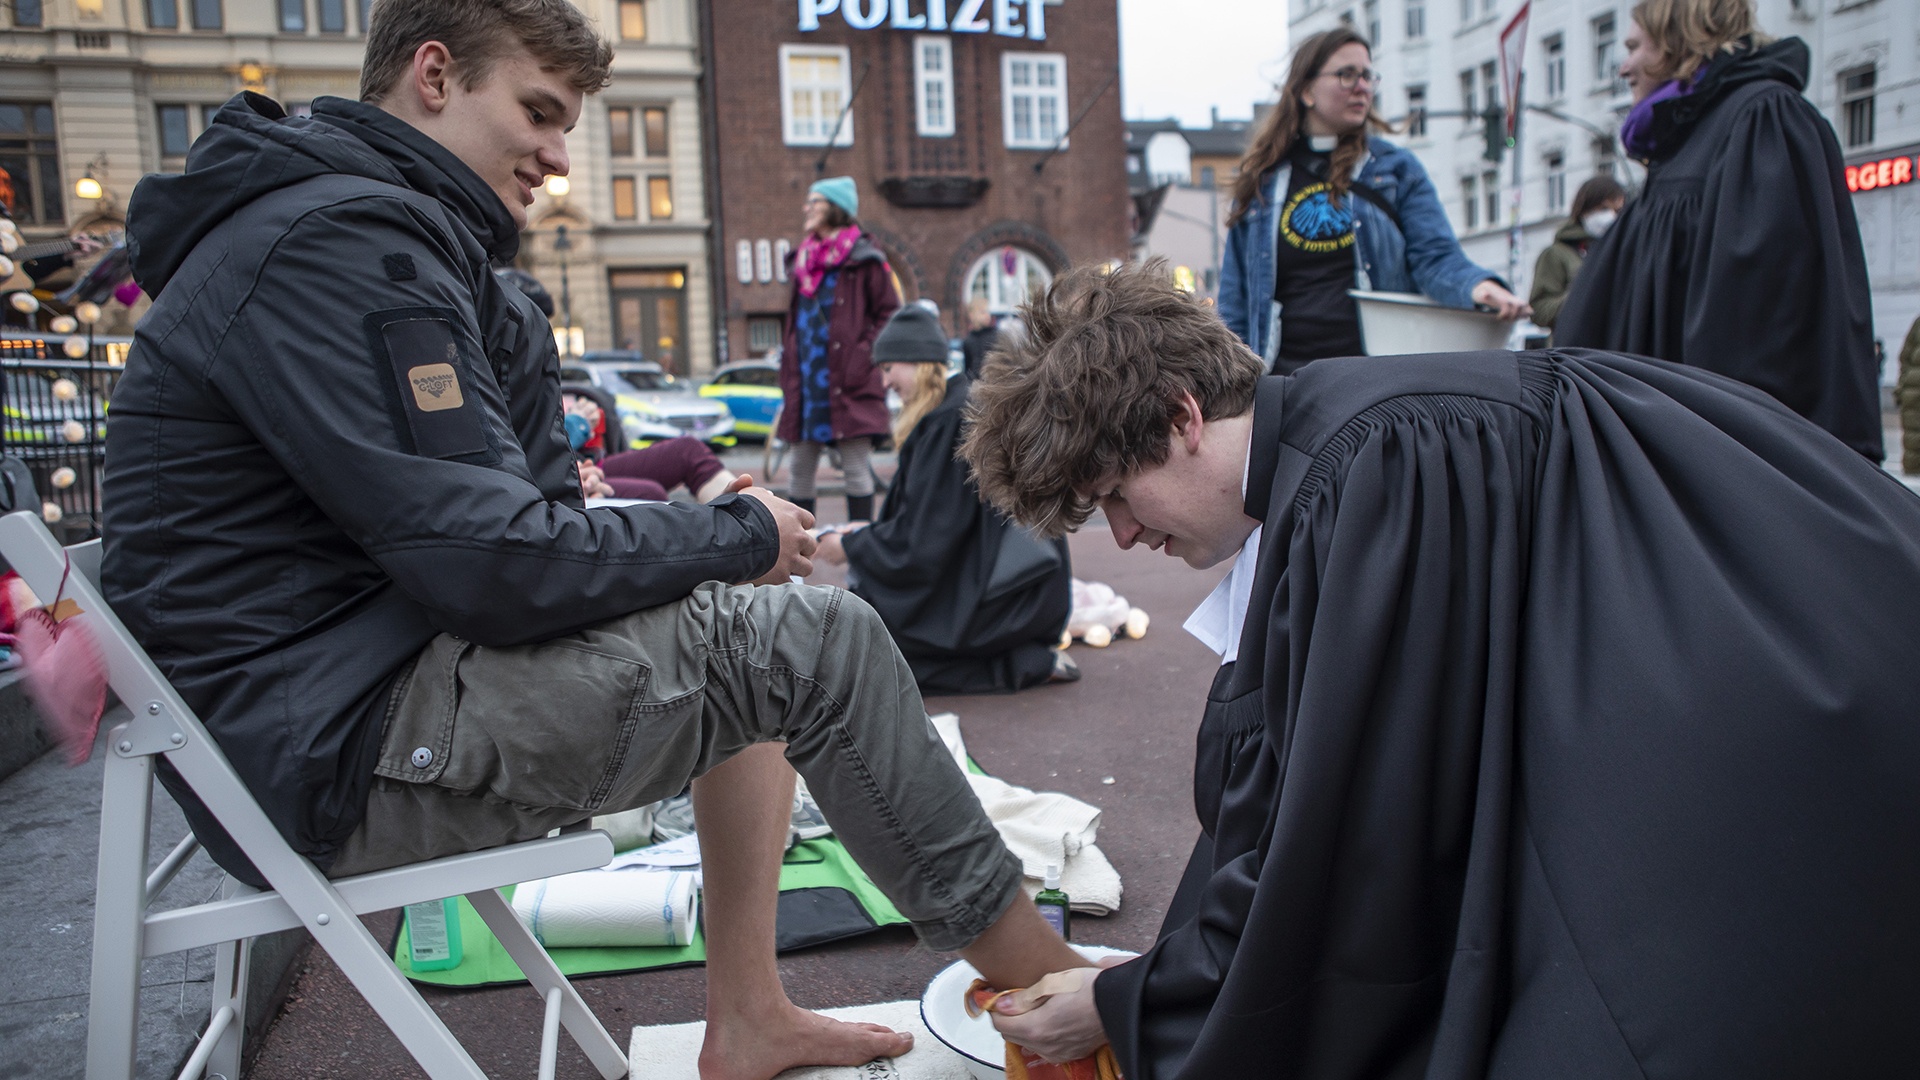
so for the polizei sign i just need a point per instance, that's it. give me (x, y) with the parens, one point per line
(1008, 18)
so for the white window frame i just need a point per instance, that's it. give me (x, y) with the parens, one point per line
(926, 80)
(1556, 164)
(788, 132)
(1005, 292)
(1555, 48)
(1416, 20)
(1034, 95)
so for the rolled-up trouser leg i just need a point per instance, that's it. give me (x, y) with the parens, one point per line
(526, 738)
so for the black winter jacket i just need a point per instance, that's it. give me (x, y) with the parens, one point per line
(338, 436)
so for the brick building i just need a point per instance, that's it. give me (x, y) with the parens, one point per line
(957, 134)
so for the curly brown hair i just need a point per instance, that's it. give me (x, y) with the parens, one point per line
(1089, 392)
(477, 34)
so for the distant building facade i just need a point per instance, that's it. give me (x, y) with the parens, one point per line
(985, 138)
(1181, 180)
(110, 90)
(1439, 60)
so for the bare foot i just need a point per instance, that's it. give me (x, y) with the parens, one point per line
(743, 1049)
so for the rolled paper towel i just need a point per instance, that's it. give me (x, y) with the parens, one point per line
(602, 908)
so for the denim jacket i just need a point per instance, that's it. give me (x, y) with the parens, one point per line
(1420, 256)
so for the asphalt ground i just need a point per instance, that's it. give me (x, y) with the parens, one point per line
(1130, 718)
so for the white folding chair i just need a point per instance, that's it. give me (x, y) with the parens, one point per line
(124, 932)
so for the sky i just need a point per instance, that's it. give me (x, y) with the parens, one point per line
(1179, 58)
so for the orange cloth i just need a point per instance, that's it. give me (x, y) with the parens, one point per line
(1023, 1064)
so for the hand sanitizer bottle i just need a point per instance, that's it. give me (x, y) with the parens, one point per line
(1053, 905)
(433, 935)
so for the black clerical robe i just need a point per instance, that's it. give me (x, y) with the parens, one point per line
(1573, 734)
(926, 566)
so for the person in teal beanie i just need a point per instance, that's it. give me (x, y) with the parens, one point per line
(843, 294)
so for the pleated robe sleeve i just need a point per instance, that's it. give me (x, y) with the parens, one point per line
(1358, 850)
(1777, 294)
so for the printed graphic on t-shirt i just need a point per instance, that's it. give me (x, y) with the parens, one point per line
(1312, 222)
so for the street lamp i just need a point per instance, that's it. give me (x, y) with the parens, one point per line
(562, 243)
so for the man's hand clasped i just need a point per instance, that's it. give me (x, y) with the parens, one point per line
(797, 544)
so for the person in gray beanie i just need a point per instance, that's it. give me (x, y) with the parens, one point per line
(975, 603)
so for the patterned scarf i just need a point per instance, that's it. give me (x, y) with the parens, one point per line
(817, 256)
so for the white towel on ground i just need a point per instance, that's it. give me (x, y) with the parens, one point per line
(1042, 828)
(672, 1051)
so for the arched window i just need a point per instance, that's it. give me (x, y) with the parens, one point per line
(1006, 278)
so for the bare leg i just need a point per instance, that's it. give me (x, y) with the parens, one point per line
(1020, 948)
(753, 1031)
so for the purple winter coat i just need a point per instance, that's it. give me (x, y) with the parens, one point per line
(863, 300)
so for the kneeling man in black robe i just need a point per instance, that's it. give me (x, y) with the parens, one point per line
(1568, 727)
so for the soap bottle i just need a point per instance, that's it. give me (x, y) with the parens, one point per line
(433, 935)
(1053, 905)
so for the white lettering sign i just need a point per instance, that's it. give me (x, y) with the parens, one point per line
(1004, 17)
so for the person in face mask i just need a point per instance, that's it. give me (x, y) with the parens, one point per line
(1595, 206)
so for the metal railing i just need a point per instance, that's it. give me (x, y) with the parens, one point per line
(53, 417)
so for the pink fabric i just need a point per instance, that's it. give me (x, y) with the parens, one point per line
(817, 256)
(65, 674)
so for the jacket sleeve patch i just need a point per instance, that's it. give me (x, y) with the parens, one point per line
(399, 267)
(433, 379)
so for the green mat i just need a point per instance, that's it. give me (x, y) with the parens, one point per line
(824, 896)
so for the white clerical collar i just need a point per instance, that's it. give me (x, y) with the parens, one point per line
(1322, 144)
(1218, 620)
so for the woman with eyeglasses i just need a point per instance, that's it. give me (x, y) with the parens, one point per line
(1742, 254)
(1321, 207)
(843, 293)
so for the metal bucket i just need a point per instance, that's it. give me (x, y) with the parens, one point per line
(1394, 323)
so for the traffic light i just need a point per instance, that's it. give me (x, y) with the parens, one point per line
(1496, 118)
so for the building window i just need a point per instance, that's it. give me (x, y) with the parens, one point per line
(1490, 83)
(1470, 198)
(1371, 10)
(293, 16)
(626, 200)
(1033, 89)
(1490, 185)
(653, 126)
(1469, 104)
(1606, 65)
(1416, 112)
(28, 13)
(933, 85)
(1416, 19)
(1556, 181)
(1207, 176)
(366, 15)
(633, 20)
(620, 132)
(1856, 104)
(1604, 156)
(659, 199)
(814, 88)
(30, 153)
(1006, 278)
(163, 15)
(175, 135)
(763, 336)
(333, 16)
(207, 113)
(1466, 12)
(1556, 47)
(206, 14)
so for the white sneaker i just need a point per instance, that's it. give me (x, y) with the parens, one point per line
(808, 822)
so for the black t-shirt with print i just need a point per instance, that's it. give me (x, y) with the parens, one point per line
(1313, 265)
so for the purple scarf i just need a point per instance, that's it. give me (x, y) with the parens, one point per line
(1636, 133)
(818, 256)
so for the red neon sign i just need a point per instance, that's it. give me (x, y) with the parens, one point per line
(1886, 172)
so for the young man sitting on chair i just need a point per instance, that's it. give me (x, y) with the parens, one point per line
(344, 520)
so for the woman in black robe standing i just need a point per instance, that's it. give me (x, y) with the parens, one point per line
(1742, 256)
(975, 604)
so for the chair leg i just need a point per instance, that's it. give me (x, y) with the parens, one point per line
(232, 967)
(119, 915)
(371, 970)
(540, 970)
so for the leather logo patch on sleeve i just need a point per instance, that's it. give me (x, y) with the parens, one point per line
(436, 387)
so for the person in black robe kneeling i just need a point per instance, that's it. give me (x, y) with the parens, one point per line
(1566, 726)
(975, 603)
